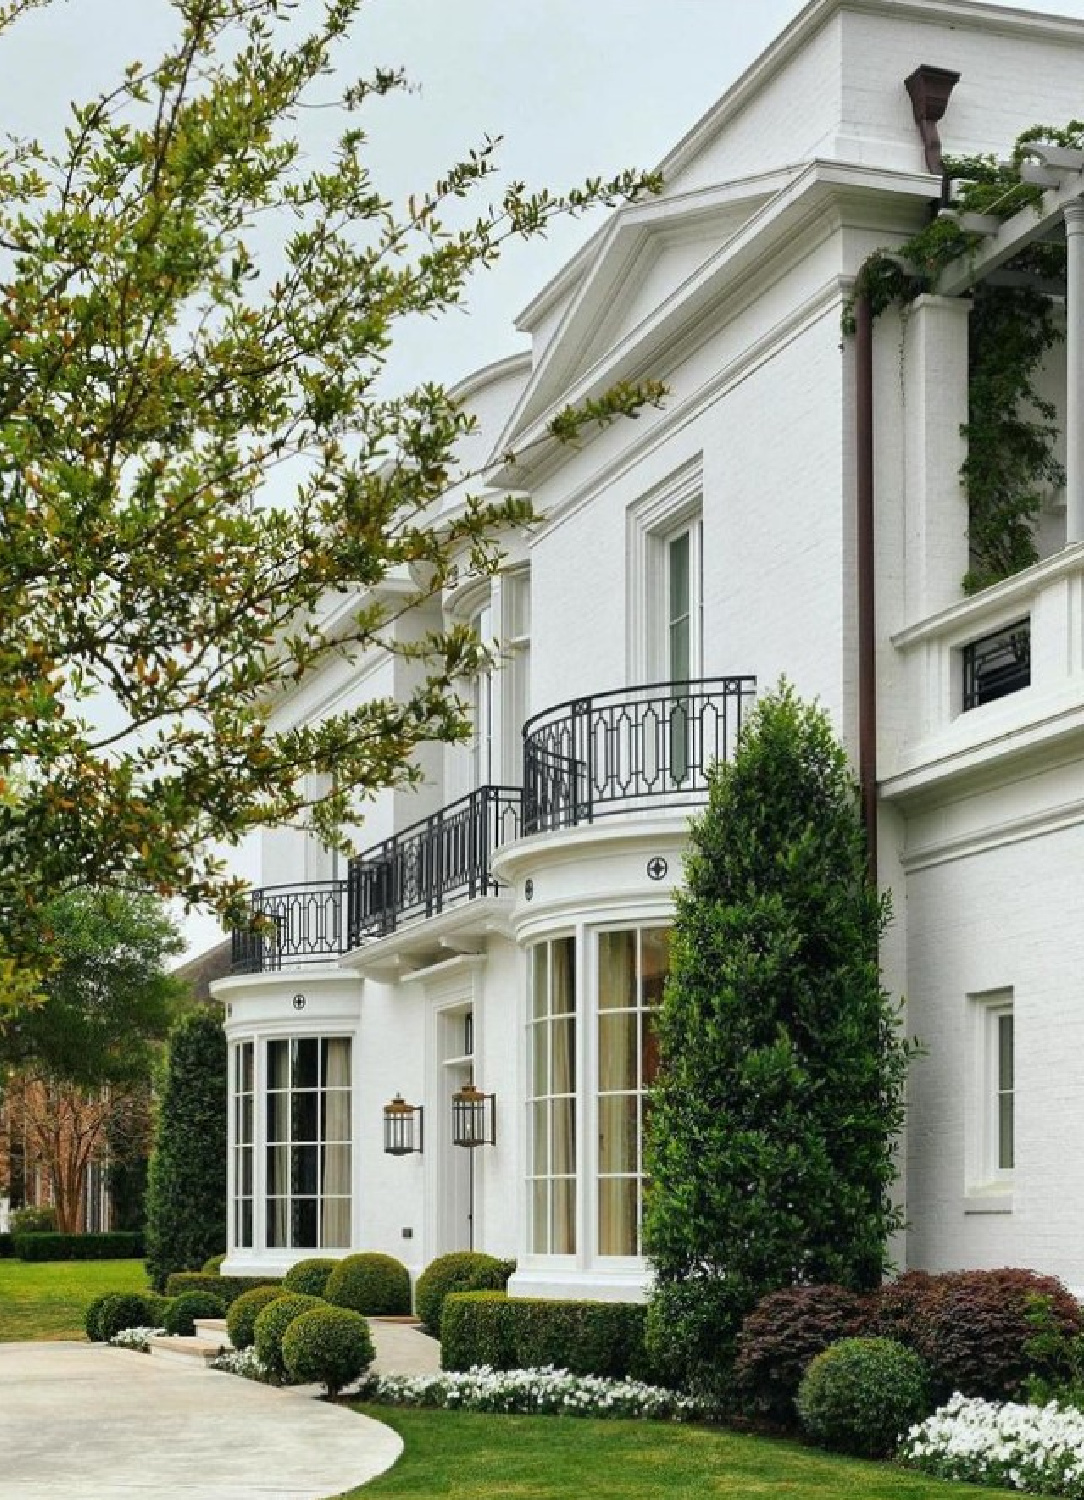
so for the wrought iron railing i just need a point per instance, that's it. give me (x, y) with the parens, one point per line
(442, 860)
(637, 748)
(291, 924)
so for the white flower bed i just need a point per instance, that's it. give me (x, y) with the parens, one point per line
(244, 1362)
(1039, 1449)
(136, 1338)
(527, 1392)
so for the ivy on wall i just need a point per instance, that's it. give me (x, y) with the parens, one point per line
(1010, 428)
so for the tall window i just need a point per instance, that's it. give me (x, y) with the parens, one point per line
(991, 1104)
(482, 708)
(684, 603)
(552, 1098)
(308, 1143)
(632, 968)
(244, 1142)
(1004, 1087)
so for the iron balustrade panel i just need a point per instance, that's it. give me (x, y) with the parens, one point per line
(998, 664)
(440, 861)
(634, 749)
(291, 925)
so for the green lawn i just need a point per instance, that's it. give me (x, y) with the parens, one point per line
(460, 1456)
(47, 1299)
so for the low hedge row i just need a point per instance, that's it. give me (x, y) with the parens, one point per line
(508, 1333)
(226, 1288)
(7, 1246)
(120, 1245)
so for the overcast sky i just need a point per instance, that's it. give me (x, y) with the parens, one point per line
(574, 87)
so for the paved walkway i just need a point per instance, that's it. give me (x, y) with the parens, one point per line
(87, 1422)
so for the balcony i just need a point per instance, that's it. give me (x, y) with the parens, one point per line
(435, 864)
(637, 749)
(291, 925)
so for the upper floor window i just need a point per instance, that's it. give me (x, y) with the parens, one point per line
(684, 603)
(997, 664)
(482, 706)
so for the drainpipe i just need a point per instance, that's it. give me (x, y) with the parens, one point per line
(867, 663)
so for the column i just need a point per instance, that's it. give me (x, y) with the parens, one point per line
(1074, 372)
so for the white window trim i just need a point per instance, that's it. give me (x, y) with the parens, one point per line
(651, 522)
(988, 1186)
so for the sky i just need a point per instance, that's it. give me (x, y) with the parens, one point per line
(573, 87)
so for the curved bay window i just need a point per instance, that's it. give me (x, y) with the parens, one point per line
(308, 1143)
(552, 1098)
(632, 967)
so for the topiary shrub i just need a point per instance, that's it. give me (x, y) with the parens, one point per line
(779, 1338)
(272, 1322)
(507, 1333)
(331, 1345)
(860, 1395)
(243, 1312)
(156, 1308)
(372, 1284)
(186, 1183)
(781, 1065)
(181, 1312)
(461, 1271)
(213, 1264)
(122, 1310)
(309, 1276)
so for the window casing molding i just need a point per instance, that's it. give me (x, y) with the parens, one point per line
(990, 1136)
(671, 510)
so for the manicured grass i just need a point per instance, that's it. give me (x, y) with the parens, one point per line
(461, 1455)
(47, 1299)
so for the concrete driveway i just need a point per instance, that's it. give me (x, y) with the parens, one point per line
(88, 1422)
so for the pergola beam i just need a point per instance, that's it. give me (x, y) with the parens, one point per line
(1015, 234)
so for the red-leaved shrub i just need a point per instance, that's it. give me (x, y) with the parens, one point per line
(780, 1338)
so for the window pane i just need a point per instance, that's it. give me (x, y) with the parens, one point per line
(655, 964)
(278, 1169)
(242, 1168)
(540, 1139)
(278, 1065)
(277, 1222)
(335, 1223)
(564, 1216)
(244, 1225)
(564, 976)
(540, 1218)
(617, 1133)
(649, 1052)
(304, 1160)
(303, 1112)
(617, 1211)
(278, 1117)
(540, 1063)
(336, 1171)
(564, 1056)
(540, 979)
(564, 1135)
(335, 1115)
(617, 1050)
(246, 1130)
(616, 970)
(248, 1052)
(303, 1224)
(335, 1062)
(306, 1062)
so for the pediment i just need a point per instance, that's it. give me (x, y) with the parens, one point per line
(640, 264)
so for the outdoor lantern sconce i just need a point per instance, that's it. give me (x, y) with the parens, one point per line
(402, 1127)
(474, 1117)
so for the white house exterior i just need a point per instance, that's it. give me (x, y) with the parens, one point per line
(507, 924)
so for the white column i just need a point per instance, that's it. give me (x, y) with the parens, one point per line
(1074, 372)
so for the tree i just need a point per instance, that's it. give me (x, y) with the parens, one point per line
(186, 1188)
(188, 311)
(782, 1070)
(80, 1061)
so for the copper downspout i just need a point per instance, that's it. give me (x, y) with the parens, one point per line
(867, 664)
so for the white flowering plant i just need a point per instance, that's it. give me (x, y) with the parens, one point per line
(245, 1362)
(136, 1338)
(530, 1392)
(1037, 1449)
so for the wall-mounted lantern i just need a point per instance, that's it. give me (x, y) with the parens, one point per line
(402, 1127)
(474, 1117)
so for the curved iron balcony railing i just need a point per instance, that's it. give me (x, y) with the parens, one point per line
(291, 924)
(639, 748)
(435, 863)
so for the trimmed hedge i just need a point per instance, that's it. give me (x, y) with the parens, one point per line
(181, 1312)
(331, 1345)
(508, 1333)
(461, 1271)
(228, 1288)
(272, 1323)
(7, 1246)
(121, 1245)
(243, 1312)
(310, 1276)
(120, 1310)
(862, 1394)
(370, 1283)
(781, 1336)
(213, 1264)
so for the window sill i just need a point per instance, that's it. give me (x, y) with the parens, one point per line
(993, 1200)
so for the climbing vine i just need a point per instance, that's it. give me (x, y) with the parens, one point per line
(1010, 427)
